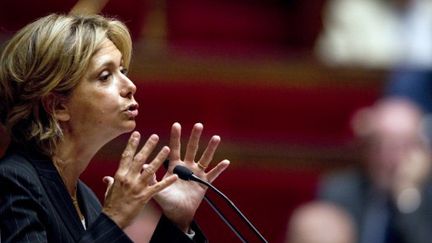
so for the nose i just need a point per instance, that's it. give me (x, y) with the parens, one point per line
(128, 88)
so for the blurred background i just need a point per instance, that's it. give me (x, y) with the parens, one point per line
(278, 80)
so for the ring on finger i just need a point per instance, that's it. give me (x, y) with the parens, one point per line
(201, 166)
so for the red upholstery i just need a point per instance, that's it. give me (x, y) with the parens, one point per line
(243, 24)
(239, 24)
(248, 113)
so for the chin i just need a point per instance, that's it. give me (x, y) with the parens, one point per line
(125, 127)
(130, 126)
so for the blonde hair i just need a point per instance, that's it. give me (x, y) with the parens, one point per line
(48, 58)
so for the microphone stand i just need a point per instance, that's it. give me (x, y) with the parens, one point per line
(231, 204)
(222, 216)
(185, 174)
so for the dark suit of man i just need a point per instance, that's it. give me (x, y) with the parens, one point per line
(36, 207)
(375, 215)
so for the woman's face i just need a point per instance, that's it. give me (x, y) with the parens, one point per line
(103, 103)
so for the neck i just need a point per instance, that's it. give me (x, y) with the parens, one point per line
(71, 159)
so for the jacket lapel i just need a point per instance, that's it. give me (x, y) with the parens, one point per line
(90, 207)
(59, 196)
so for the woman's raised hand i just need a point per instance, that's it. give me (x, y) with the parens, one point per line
(134, 184)
(180, 201)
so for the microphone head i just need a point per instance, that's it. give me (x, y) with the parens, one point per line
(183, 172)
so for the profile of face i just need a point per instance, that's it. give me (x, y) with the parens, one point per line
(102, 104)
(392, 130)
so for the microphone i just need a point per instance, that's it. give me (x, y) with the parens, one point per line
(185, 174)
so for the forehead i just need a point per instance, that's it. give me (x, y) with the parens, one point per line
(397, 120)
(107, 52)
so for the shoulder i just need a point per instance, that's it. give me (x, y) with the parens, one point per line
(351, 176)
(19, 176)
(342, 184)
(16, 167)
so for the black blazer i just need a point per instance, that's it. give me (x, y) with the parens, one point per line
(36, 207)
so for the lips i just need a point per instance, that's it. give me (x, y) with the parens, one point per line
(132, 110)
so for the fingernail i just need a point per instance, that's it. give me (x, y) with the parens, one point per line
(154, 137)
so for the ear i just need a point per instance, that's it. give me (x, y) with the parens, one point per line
(56, 106)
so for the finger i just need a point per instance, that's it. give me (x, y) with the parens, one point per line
(141, 157)
(207, 156)
(217, 170)
(150, 170)
(152, 180)
(109, 181)
(193, 143)
(175, 142)
(163, 184)
(128, 153)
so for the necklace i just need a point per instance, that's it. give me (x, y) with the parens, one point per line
(58, 164)
(77, 208)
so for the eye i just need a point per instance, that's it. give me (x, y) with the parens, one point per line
(104, 76)
(124, 70)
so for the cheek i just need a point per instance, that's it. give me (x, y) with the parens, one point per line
(100, 109)
(94, 109)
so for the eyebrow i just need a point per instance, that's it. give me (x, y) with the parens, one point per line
(106, 63)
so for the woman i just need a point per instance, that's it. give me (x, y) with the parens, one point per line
(64, 94)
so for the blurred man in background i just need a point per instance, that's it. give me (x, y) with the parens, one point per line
(390, 196)
(390, 199)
